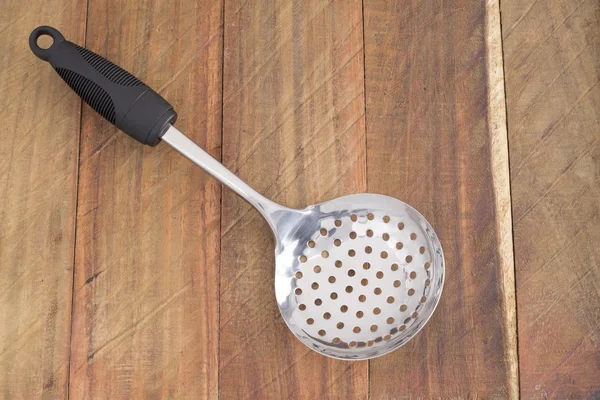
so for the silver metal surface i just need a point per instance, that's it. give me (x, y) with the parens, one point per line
(355, 277)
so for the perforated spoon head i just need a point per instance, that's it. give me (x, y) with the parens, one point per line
(358, 276)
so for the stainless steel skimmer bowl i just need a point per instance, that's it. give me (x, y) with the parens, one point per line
(355, 277)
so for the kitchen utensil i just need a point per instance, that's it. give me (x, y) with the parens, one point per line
(355, 277)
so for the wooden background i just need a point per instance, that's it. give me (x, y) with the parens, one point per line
(125, 272)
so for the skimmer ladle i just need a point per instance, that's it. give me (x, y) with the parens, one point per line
(355, 277)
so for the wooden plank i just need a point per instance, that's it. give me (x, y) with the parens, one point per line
(38, 192)
(552, 51)
(145, 321)
(437, 140)
(293, 129)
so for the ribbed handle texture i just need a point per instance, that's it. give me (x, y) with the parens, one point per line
(115, 94)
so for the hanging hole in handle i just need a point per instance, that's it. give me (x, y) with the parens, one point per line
(38, 47)
(44, 42)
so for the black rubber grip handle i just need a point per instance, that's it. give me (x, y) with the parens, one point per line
(114, 93)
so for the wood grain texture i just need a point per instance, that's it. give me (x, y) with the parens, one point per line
(145, 322)
(38, 185)
(172, 290)
(434, 140)
(294, 130)
(552, 51)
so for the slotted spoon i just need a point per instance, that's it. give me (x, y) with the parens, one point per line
(355, 277)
